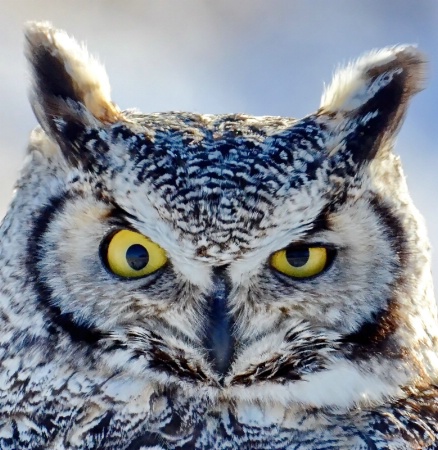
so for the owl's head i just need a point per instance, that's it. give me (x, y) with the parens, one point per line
(240, 257)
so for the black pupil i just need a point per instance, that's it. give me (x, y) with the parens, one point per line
(297, 257)
(137, 257)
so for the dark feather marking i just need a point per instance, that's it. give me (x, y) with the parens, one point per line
(304, 357)
(366, 139)
(83, 332)
(373, 336)
(51, 75)
(163, 359)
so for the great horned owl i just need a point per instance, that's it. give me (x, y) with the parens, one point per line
(186, 281)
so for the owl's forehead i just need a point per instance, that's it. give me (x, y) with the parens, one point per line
(222, 181)
(227, 154)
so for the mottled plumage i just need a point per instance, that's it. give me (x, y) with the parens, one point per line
(273, 290)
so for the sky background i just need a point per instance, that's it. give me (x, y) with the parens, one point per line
(254, 56)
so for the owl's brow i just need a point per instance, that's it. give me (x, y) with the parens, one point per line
(119, 216)
(321, 221)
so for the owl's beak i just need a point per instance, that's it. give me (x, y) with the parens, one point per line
(219, 340)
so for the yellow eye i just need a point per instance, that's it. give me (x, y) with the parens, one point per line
(300, 262)
(132, 255)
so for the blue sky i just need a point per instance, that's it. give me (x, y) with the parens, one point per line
(254, 56)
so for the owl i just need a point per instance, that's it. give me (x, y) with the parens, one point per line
(185, 281)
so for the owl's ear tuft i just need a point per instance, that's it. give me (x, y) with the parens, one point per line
(367, 100)
(69, 87)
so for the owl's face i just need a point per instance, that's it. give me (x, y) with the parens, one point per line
(258, 258)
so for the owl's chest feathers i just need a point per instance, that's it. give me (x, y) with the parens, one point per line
(58, 406)
(250, 426)
(176, 422)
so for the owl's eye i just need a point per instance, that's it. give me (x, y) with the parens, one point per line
(131, 255)
(300, 262)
